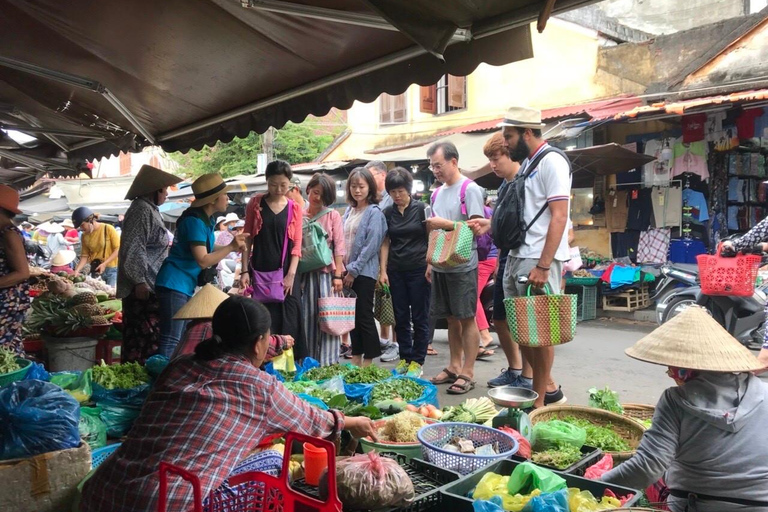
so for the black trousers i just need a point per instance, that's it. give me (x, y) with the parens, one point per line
(364, 337)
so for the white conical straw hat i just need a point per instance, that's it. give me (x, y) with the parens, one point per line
(695, 341)
(203, 304)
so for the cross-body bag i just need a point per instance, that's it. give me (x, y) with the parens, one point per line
(508, 226)
(268, 286)
(98, 261)
(315, 251)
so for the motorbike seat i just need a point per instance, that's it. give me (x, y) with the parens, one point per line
(688, 268)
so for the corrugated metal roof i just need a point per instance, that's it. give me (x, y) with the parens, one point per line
(693, 105)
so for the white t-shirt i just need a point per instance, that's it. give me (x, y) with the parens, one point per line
(550, 182)
(447, 205)
(655, 173)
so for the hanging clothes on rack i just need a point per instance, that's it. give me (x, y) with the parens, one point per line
(640, 210)
(616, 210)
(690, 157)
(667, 205)
(653, 246)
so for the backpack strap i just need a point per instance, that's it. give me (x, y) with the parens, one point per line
(320, 214)
(463, 196)
(533, 164)
(434, 195)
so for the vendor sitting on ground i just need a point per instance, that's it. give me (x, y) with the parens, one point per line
(205, 413)
(199, 312)
(707, 438)
(62, 262)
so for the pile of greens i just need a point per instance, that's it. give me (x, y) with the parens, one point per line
(323, 394)
(8, 362)
(369, 375)
(340, 403)
(405, 389)
(604, 438)
(122, 376)
(605, 399)
(326, 372)
(299, 386)
(560, 457)
(287, 376)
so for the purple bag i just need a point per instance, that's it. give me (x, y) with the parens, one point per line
(268, 286)
(484, 242)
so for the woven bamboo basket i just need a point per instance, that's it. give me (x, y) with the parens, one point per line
(629, 429)
(640, 412)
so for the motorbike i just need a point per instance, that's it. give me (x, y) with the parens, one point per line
(742, 317)
(37, 255)
(674, 281)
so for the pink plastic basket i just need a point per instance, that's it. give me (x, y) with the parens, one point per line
(260, 492)
(728, 276)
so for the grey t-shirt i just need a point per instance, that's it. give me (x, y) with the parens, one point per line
(447, 205)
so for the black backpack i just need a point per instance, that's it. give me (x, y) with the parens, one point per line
(508, 225)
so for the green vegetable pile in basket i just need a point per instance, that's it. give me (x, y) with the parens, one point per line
(8, 362)
(604, 438)
(405, 389)
(369, 375)
(122, 376)
(326, 372)
(605, 399)
(561, 456)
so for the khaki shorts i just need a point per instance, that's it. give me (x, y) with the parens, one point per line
(517, 267)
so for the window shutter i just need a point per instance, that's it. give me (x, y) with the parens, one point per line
(457, 98)
(429, 99)
(385, 108)
(400, 109)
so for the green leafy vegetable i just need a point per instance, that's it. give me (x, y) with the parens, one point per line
(342, 404)
(123, 376)
(405, 389)
(287, 376)
(605, 399)
(8, 362)
(299, 386)
(604, 438)
(560, 457)
(327, 372)
(369, 375)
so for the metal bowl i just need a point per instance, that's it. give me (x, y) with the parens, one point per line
(509, 396)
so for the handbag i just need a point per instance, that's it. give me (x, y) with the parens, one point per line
(268, 285)
(541, 320)
(336, 312)
(448, 249)
(315, 251)
(383, 308)
(575, 263)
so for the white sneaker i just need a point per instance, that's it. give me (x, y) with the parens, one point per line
(391, 353)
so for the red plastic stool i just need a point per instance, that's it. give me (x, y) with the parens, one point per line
(35, 348)
(104, 351)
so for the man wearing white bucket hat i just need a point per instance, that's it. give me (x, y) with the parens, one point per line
(707, 438)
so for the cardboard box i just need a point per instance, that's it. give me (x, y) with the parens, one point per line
(45, 482)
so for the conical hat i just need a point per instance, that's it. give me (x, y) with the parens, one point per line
(695, 341)
(203, 304)
(148, 180)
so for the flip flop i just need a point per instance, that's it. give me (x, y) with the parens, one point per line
(484, 353)
(460, 389)
(450, 379)
(431, 352)
(491, 344)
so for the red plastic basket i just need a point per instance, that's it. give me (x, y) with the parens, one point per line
(260, 492)
(728, 276)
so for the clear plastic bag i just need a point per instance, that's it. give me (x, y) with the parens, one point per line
(370, 481)
(36, 417)
(551, 434)
(335, 384)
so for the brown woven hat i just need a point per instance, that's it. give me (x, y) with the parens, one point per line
(695, 341)
(150, 179)
(207, 188)
(203, 304)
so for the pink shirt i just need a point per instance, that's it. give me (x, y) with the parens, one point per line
(331, 223)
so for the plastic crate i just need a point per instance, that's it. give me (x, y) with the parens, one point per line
(586, 308)
(455, 496)
(590, 456)
(100, 455)
(427, 480)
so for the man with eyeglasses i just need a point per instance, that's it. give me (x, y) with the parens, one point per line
(454, 290)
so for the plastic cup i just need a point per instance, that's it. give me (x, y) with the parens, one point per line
(315, 462)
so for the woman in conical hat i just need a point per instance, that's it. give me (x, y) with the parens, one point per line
(707, 439)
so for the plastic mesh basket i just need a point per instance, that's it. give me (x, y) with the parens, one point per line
(434, 437)
(16, 375)
(728, 276)
(100, 455)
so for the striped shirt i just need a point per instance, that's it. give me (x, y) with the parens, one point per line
(203, 416)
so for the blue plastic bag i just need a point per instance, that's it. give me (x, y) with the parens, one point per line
(306, 364)
(155, 365)
(312, 400)
(358, 392)
(117, 418)
(549, 502)
(37, 372)
(133, 397)
(270, 369)
(493, 505)
(37, 417)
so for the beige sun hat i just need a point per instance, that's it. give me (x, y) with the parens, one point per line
(207, 188)
(51, 228)
(694, 340)
(522, 117)
(203, 304)
(67, 223)
(63, 257)
(150, 179)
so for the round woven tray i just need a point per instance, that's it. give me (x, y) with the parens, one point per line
(627, 428)
(641, 412)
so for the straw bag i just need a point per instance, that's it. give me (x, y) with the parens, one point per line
(336, 312)
(541, 320)
(448, 249)
(383, 308)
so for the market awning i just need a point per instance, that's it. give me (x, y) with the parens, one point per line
(95, 78)
(668, 109)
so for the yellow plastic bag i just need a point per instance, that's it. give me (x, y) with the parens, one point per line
(285, 362)
(493, 484)
(584, 501)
